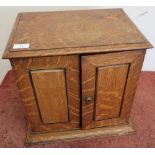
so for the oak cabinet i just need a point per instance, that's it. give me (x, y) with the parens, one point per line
(77, 72)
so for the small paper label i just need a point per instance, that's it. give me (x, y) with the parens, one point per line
(21, 46)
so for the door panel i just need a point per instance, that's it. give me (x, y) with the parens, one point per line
(110, 81)
(110, 86)
(50, 90)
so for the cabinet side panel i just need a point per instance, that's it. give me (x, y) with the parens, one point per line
(50, 90)
(110, 86)
(132, 82)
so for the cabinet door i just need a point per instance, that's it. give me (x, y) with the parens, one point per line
(50, 90)
(108, 87)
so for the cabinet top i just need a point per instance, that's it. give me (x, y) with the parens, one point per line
(73, 32)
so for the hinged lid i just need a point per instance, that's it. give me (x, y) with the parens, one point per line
(73, 31)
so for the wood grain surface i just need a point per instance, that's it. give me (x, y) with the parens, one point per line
(70, 32)
(50, 89)
(110, 87)
(78, 134)
(22, 67)
(89, 65)
(76, 29)
(80, 71)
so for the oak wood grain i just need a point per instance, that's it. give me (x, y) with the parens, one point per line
(79, 134)
(70, 32)
(74, 55)
(77, 51)
(22, 67)
(87, 28)
(50, 89)
(110, 86)
(89, 65)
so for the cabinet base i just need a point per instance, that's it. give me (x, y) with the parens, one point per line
(79, 134)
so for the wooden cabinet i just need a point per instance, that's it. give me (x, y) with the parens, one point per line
(77, 72)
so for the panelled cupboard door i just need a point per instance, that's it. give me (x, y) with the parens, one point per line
(50, 91)
(108, 87)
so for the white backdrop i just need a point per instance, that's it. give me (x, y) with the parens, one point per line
(143, 17)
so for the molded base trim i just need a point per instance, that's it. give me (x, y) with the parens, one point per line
(78, 134)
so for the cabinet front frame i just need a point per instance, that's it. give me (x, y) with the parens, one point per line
(82, 115)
